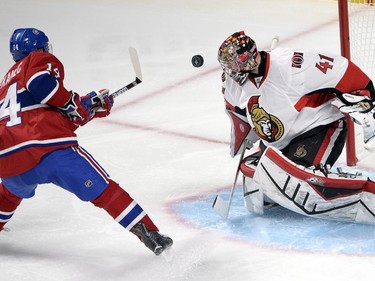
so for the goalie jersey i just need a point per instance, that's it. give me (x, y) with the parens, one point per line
(291, 95)
(30, 126)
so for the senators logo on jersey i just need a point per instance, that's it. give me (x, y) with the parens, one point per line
(297, 59)
(267, 126)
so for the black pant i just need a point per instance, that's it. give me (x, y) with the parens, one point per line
(304, 149)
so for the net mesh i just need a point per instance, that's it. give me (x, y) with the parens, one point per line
(362, 34)
(362, 50)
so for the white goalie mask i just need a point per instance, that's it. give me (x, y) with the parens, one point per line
(237, 56)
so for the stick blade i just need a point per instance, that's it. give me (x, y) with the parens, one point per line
(135, 62)
(221, 207)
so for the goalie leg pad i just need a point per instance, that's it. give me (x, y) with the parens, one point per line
(254, 198)
(302, 190)
(253, 195)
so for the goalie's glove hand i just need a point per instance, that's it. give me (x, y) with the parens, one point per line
(350, 103)
(102, 103)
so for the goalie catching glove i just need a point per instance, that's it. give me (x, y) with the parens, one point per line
(357, 101)
(83, 109)
(360, 108)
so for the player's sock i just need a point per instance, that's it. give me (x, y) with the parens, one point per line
(118, 203)
(8, 204)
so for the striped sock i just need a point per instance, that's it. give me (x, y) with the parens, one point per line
(8, 205)
(124, 209)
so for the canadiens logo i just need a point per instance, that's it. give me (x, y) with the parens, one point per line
(268, 127)
(297, 60)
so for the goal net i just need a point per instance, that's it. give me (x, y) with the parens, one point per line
(362, 34)
(357, 32)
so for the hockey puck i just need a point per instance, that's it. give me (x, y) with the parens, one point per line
(197, 60)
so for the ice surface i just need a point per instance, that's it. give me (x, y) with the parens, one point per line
(166, 142)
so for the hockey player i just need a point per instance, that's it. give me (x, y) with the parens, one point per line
(286, 97)
(296, 102)
(38, 145)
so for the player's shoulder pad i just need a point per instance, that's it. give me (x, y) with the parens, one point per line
(43, 57)
(39, 61)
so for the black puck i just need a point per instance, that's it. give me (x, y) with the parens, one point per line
(197, 60)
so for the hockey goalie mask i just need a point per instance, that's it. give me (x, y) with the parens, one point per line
(237, 56)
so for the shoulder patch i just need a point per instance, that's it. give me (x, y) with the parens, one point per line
(297, 60)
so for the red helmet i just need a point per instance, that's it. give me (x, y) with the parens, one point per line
(237, 56)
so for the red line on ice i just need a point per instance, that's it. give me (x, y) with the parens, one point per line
(187, 80)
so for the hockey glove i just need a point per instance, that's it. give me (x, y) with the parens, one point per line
(78, 109)
(102, 103)
(83, 109)
(352, 102)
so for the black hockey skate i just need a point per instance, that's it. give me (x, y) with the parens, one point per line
(153, 240)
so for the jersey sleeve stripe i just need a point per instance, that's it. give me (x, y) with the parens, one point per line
(48, 97)
(42, 86)
(36, 75)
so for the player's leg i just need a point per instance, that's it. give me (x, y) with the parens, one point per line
(129, 214)
(78, 172)
(12, 191)
(8, 205)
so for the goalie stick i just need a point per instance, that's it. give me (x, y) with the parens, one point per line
(220, 206)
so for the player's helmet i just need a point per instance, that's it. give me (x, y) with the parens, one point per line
(27, 40)
(237, 56)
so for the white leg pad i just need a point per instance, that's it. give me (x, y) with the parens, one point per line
(311, 193)
(253, 196)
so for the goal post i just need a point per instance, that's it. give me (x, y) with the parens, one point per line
(357, 41)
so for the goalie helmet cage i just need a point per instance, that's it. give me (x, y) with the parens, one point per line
(357, 40)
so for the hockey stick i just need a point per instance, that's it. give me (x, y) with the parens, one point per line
(138, 73)
(220, 206)
(99, 100)
(126, 88)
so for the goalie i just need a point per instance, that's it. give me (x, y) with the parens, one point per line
(295, 102)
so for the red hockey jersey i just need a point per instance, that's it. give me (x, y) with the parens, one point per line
(30, 124)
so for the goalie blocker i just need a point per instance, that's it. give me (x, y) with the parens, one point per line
(314, 193)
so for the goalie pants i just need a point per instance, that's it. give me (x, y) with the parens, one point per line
(76, 171)
(322, 144)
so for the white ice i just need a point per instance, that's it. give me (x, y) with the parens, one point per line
(166, 140)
